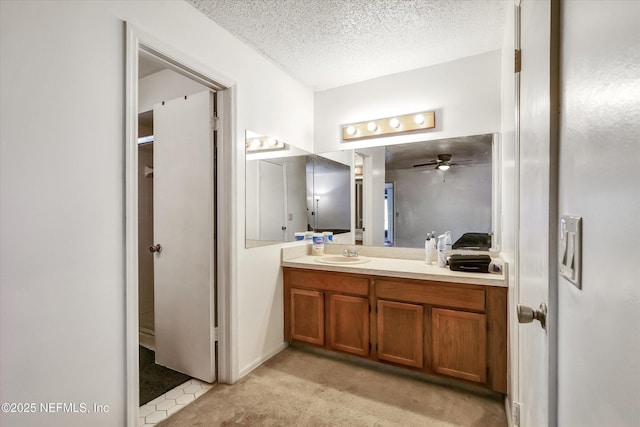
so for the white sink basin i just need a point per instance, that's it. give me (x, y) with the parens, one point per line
(342, 260)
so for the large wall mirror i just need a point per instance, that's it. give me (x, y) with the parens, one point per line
(394, 195)
(289, 190)
(402, 192)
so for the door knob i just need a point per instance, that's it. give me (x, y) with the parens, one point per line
(527, 314)
(155, 248)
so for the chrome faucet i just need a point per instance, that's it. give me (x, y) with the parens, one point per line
(350, 252)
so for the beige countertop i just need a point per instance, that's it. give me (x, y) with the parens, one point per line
(392, 267)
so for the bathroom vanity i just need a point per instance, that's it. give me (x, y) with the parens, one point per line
(401, 312)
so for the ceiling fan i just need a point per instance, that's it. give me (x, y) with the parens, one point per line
(443, 162)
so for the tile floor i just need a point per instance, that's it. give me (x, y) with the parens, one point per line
(171, 402)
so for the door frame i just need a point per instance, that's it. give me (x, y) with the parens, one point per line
(137, 40)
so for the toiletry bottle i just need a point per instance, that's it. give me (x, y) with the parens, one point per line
(427, 249)
(442, 256)
(317, 247)
(447, 240)
(434, 251)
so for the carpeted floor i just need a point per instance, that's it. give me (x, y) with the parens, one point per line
(299, 388)
(155, 380)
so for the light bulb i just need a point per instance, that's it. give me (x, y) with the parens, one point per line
(256, 143)
(444, 167)
(272, 142)
(351, 130)
(372, 126)
(419, 119)
(394, 123)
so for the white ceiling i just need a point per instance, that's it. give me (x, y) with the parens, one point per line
(330, 43)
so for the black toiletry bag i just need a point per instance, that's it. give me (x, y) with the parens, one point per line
(470, 263)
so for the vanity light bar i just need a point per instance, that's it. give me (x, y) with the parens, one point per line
(414, 122)
(264, 143)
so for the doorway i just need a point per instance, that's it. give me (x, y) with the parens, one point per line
(389, 215)
(182, 164)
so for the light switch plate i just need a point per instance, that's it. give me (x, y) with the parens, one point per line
(570, 262)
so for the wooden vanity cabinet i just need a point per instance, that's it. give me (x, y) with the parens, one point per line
(307, 316)
(400, 333)
(327, 310)
(459, 344)
(455, 325)
(452, 329)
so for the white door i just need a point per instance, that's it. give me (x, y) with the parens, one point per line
(184, 221)
(272, 193)
(536, 219)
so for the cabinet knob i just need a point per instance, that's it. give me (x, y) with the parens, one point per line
(155, 248)
(527, 314)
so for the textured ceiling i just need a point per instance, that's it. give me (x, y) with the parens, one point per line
(330, 43)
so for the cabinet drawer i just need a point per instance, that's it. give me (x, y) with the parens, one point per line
(330, 282)
(441, 294)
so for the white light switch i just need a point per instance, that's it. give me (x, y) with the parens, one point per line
(570, 249)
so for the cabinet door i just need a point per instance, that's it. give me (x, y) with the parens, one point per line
(400, 332)
(349, 324)
(307, 316)
(460, 344)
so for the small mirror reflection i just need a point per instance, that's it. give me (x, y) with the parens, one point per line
(291, 191)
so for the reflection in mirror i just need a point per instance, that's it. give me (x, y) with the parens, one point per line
(289, 190)
(443, 185)
(358, 163)
(276, 192)
(329, 204)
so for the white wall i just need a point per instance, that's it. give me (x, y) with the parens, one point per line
(598, 341)
(465, 95)
(62, 302)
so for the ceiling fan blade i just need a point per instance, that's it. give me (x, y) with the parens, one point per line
(426, 164)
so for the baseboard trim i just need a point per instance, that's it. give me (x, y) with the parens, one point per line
(147, 338)
(255, 364)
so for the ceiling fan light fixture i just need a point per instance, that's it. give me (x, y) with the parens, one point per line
(443, 166)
